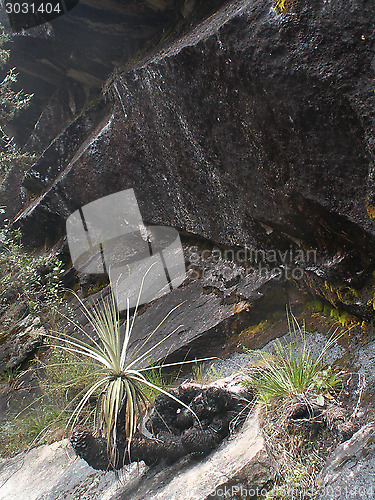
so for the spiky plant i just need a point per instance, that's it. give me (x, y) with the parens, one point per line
(117, 381)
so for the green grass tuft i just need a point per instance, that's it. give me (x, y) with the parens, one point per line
(291, 369)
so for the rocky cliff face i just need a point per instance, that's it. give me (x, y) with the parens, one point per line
(69, 58)
(256, 128)
(66, 62)
(253, 117)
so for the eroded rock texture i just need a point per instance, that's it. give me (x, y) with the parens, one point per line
(70, 58)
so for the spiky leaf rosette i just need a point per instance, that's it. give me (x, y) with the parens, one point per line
(118, 384)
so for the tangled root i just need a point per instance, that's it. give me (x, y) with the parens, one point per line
(174, 430)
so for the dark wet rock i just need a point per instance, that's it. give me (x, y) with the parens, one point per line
(349, 471)
(223, 275)
(79, 50)
(64, 148)
(207, 313)
(261, 87)
(61, 111)
(171, 438)
(254, 129)
(203, 321)
(66, 62)
(206, 319)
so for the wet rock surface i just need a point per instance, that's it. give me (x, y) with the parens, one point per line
(80, 49)
(349, 472)
(66, 62)
(206, 321)
(255, 129)
(279, 169)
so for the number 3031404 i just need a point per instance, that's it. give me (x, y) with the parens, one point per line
(32, 8)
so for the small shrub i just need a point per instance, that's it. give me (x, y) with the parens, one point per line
(296, 391)
(34, 280)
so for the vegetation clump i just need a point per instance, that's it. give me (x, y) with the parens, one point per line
(292, 371)
(117, 381)
(302, 416)
(33, 280)
(11, 103)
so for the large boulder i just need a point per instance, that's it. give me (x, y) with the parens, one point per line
(254, 117)
(255, 128)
